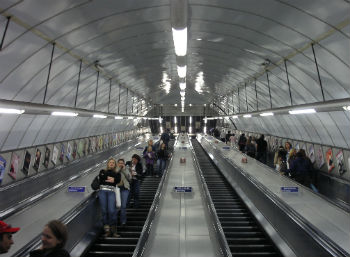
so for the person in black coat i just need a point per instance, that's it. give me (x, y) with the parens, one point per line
(136, 169)
(301, 169)
(53, 239)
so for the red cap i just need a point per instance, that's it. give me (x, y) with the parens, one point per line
(5, 228)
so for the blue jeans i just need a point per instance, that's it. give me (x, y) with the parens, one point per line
(134, 192)
(124, 195)
(161, 166)
(108, 207)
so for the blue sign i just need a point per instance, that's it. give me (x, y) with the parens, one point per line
(76, 189)
(183, 189)
(226, 147)
(184, 147)
(139, 147)
(290, 189)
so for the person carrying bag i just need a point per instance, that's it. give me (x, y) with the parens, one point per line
(109, 179)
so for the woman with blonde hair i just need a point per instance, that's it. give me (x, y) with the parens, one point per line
(109, 178)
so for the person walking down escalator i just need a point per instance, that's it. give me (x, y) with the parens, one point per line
(163, 156)
(242, 142)
(109, 178)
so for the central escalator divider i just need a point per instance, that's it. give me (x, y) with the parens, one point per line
(126, 244)
(244, 235)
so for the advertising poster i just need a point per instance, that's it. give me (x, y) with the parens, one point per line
(312, 154)
(110, 139)
(304, 147)
(167, 125)
(90, 147)
(100, 142)
(105, 142)
(86, 146)
(36, 164)
(47, 157)
(329, 160)
(93, 145)
(81, 148)
(297, 147)
(62, 153)
(340, 161)
(75, 149)
(14, 166)
(96, 144)
(54, 155)
(114, 139)
(320, 158)
(26, 163)
(69, 152)
(2, 168)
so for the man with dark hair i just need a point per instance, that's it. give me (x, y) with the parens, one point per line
(261, 149)
(6, 240)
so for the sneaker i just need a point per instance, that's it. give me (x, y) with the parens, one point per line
(107, 231)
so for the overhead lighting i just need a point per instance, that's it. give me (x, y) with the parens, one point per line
(182, 86)
(346, 108)
(302, 111)
(247, 116)
(190, 130)
(120, 117)
(11, 111)
(175, 120)
(205, 104)
(145, 118)
(182, 93)
(205, 120)
(234, 117)
(190, 104)
(181, 71)
(175, 105)
(100, 116)
(69, 114)
(183, 109)
(190, 119)
(180, 41)
(182, 98)
(131, 118)
(160, 119)
(266, 114)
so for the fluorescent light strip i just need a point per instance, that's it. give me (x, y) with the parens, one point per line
(182, 93)
(247, 116)
(11, 111)
(99, 116)
(266, 114)
(119, 117)
(346, 108)
(182, 86)
(180, 41)
(181, 71)
(234, 117)
(69, 114)
(302, 111)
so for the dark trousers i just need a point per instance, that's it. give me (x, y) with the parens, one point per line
(149, 169)
(134, 192)
(261, 156)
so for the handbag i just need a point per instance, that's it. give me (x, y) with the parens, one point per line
(118, 202)
(95, 185)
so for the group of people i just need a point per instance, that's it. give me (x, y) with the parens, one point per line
(127, 176)
(53, 238)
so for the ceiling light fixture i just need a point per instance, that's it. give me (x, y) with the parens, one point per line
(120, 117)
(247, 116)
(181, 71)
(180, 41)
(69, 114)
(234, 117)
(182, 86)
(266, 114)
(182, 93)
(99, 116)
(11, 111)
(302, 111)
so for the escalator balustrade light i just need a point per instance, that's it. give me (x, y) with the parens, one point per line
(247, 116)
(266, 114)
(99, 116)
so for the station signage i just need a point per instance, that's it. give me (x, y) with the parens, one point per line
(290, 189)
(76, 189)
(183, 189)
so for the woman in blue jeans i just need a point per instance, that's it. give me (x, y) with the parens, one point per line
(109, 178)
(124, 186)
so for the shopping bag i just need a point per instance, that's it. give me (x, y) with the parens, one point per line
(95, 185)
(118, 202)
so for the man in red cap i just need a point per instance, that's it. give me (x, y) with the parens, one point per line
(6, 240)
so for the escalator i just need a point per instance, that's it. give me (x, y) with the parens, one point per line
(243, 233)
(126, 244)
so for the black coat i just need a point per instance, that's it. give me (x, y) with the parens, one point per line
(49, 253)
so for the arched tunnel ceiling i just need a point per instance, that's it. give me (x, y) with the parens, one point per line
(238, 53)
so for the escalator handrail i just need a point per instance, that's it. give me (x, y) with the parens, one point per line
(323, 240)
(146, 230)
(224, 247)
(66, 219)
(4, 214)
